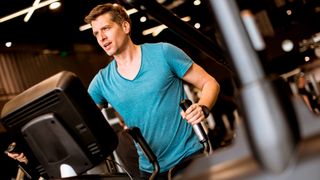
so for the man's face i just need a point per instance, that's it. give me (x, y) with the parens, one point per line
(111, 36)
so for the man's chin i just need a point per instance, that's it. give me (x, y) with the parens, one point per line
(109, 53)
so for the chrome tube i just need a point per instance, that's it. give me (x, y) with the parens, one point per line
(271, 137)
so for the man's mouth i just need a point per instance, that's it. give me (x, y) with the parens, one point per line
(106, 44)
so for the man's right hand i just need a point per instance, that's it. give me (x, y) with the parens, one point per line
(18, 156)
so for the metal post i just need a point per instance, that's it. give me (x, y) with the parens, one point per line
(271, 138)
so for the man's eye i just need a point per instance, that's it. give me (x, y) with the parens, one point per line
(106, 29)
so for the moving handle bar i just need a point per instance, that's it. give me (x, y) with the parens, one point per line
(198, 129)
(138, 138)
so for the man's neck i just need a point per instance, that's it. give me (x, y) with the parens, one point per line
(129, 61)
(130, 54)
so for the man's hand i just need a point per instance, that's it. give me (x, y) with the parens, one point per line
(193, 114)
(19, 157)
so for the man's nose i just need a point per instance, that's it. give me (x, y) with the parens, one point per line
(103, 36)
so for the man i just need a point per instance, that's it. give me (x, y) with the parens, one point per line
(144, 83)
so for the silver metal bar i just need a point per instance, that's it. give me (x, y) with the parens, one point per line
(271, 138)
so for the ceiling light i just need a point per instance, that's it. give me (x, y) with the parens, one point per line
(287, 45)
(84, 27)
(131, 11)
(161, 1)
(158, 30)
(54, 5)
(30, 12)
(196, 2)
(197, 25)
(8, 44)
(25, 11)
(289, 12)
(143, 19)
(307, 58)
(151, 30)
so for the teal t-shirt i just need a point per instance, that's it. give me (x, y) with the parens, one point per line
(151, 102)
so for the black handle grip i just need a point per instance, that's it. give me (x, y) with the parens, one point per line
(137, 136)
(13, 148)
(198, 129)
(185, 104)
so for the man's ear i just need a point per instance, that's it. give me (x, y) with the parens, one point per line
(126, 27)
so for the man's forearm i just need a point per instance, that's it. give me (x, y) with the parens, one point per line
(209, 93)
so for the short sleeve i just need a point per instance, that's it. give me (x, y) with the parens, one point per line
(177, 59)
(95, 91)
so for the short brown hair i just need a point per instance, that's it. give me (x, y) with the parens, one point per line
(118, 13)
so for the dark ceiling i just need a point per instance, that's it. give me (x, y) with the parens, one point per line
(54, 28)
(59, 29)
